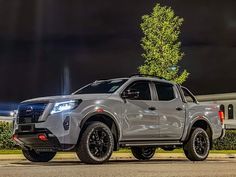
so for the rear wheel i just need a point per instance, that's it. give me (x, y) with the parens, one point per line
(198, 146)
(96, 144)
(143, 153)
(34, 156)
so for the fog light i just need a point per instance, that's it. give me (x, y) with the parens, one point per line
(66, 123)
(42, 137)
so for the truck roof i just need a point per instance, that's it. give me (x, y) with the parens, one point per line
(141, 77)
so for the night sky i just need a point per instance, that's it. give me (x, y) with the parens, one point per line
(53, 47)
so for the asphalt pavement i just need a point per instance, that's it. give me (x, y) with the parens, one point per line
(121, 166)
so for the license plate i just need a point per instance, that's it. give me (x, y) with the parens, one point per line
(26, 128)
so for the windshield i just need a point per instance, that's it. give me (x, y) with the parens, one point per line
(108, 86)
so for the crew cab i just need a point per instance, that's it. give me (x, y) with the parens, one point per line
(140, 112)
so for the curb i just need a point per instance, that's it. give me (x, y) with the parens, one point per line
(118, 156)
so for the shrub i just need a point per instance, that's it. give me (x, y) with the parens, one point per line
(5, 136)
(227, 143)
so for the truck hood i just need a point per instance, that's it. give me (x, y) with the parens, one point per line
(54, 99)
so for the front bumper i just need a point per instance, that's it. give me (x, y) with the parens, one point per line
(32, 140)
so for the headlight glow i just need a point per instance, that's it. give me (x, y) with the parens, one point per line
(65, 106)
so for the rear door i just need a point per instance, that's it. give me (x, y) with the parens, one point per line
(171, 111)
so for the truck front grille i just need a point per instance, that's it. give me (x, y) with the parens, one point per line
(30, 112)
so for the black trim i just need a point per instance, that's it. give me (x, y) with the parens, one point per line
(181, 93)
(149, 142)
(190, 127)
(222, 134)
(30, 112)
(146, 75)
(30, 140)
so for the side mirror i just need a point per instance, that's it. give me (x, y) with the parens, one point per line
(130, 94)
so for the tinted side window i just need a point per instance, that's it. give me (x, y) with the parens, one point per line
(188, 95)
(142, 88)
(165, 91)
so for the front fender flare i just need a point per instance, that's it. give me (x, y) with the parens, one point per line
(106, 113)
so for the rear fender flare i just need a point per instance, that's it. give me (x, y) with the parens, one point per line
(196, 119)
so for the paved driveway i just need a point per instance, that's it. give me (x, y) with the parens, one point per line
(120, 168)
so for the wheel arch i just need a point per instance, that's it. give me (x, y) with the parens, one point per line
(201, 123)
(105, 118)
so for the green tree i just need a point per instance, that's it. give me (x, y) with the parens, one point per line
(161, 46)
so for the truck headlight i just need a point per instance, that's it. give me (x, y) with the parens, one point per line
(65, 106)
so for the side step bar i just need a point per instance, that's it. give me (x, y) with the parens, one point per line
(149, 143)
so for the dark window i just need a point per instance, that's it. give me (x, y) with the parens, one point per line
(109, 86)
(143, 88)
(230, 111)
(165, 91)
(222, 108)
(189, 97)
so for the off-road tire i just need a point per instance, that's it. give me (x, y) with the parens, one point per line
(34, 156)
(198, 146)
(96, 144)
(143, 153)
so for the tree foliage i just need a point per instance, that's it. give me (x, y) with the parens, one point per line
(162, 52)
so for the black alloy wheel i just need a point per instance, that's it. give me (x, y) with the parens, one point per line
(198, 146)
(96, 144)
(143, 153)
(99, 142)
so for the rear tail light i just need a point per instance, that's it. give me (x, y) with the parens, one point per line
(222, 117)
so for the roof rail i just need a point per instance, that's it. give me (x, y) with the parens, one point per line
(146, 75)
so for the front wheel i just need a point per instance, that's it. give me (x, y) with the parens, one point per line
(34, 156)
(143, 153)
(96, 144)
(198, 146)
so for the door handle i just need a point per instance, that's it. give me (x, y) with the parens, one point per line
(152, 108)
(179, 109)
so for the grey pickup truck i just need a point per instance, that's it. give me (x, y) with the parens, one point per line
(140, 112)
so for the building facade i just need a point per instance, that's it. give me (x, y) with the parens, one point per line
(227, 102)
